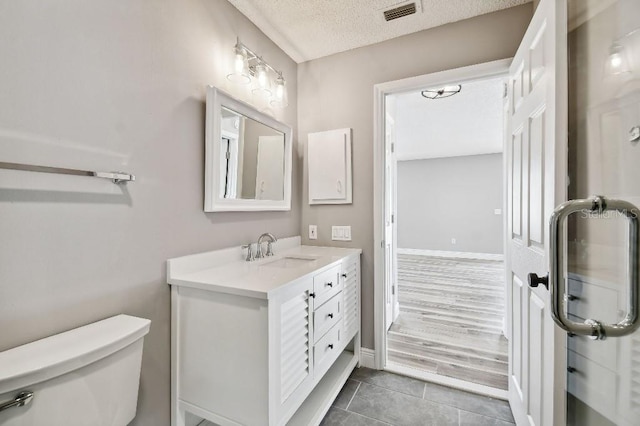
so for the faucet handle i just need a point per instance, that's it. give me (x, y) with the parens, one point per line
(269, 249)
(249, 248)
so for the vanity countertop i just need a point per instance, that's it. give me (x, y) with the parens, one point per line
(226, 271)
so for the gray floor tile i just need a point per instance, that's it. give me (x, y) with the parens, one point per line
(473, 419)
(469, 402)
(344, 397)
(388, 380)
(400, 409)
(339, 417)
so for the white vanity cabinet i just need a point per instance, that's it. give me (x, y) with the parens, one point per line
(277, 355)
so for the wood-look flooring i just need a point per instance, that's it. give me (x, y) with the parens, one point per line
(450, 320)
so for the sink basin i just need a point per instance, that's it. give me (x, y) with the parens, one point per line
(289, 262)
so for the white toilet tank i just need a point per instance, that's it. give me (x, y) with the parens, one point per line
(88, 376)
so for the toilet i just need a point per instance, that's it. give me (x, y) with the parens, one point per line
(86, 376)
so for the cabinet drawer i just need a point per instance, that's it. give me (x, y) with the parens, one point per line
(326, 284)
(603, 352)
(326, 351)
(593, 384)
(593, 301)
(326, 316)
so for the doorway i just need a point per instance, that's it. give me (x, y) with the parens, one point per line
(443, 286)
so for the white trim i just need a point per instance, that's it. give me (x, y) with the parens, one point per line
(452, 254)
(447, 381)
(380, 91)
(367, 358)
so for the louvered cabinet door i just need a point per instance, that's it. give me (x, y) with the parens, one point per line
(293, 349)
(351, 294)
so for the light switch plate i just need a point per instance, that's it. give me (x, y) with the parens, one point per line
(313, 232)
(341, 233)
(497, 212)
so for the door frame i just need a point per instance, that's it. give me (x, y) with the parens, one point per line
(380, 91)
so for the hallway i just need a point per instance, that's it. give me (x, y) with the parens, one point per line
(450, 320)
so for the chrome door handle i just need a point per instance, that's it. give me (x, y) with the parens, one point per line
(21, 399)
(557, 285)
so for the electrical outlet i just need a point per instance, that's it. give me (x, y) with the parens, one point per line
(453, 241)
(497, 212)
(313, 232)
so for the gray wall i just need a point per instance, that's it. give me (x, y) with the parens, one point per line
(337, 92)
(455, 197)
(114, 85)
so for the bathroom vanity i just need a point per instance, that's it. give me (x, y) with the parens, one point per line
(267, 342)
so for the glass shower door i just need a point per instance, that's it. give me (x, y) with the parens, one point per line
(603, 376)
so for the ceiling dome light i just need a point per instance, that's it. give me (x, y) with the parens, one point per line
(441, 92)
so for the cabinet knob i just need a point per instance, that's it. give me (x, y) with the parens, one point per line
(330, 315)
(312, 295)
(571, 369)
(330, 345)
(344, 275)
(330, 284)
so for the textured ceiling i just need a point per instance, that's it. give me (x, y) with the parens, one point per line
(310, 29)
(469, 123)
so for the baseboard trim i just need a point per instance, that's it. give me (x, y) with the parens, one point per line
(452, 254)
(367, 358)
(447, 381)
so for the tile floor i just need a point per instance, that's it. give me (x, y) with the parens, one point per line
(376, 398)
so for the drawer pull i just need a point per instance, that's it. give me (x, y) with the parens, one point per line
(312, 295)
(330, 315)
(330, 284)
(571, 369)
(571, 297)
(344, 275)
(330, 345)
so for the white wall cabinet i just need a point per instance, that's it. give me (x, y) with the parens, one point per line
(329, 165)
(243, 360)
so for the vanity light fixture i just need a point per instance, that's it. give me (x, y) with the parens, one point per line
(249, 68)
(441, 92)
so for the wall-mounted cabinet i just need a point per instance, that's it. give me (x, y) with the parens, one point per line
(329, 165)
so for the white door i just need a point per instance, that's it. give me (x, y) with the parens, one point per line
(390, 227)
(270, 168)
(537, 166)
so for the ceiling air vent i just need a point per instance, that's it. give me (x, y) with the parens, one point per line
(400, 11)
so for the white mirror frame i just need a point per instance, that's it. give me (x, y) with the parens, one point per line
(216, 100)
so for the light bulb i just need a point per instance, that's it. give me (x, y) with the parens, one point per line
(263, 86)
(240, 72)
(617, 61)
(280, 96)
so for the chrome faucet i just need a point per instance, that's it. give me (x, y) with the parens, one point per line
(270, 239)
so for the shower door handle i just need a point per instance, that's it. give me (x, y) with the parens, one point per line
(557, 284)
(21, 399)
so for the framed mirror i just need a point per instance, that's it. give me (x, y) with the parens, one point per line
(248, 157)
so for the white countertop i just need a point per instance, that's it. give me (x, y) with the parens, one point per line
(229, 273)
